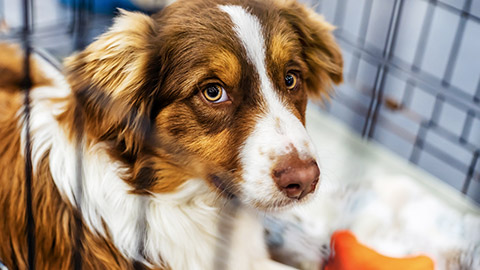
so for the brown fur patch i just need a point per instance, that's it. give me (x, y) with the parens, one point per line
(281, 48)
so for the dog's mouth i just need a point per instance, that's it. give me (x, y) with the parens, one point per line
(224, 186)
(279, 205)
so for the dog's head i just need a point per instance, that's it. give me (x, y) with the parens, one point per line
(210, 89)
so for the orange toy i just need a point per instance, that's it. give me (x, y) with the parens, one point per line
(349, 254)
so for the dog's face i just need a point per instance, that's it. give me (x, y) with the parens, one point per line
(210, 89)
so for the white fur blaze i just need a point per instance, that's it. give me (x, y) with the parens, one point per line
(278, 131)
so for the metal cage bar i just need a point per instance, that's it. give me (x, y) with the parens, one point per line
(30, 221)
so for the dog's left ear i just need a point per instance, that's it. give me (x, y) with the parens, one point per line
(320, 51)
(110, 83)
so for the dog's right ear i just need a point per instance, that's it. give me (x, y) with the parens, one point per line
(110, 81)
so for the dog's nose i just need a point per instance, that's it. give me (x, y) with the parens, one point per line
(296, 177)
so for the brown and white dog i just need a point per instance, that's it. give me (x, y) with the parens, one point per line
(155, 127)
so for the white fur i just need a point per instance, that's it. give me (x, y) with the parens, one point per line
(276, 132)
(180, 228)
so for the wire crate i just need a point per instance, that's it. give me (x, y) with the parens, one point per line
(412, 72)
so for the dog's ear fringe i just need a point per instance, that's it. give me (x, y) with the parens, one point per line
(320, 51)
(109, 79)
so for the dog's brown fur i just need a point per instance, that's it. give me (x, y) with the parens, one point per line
(137, 86)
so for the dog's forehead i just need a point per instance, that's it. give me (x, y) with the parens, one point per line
(240, 28)
(247, 47)
(249, 30)
(266, 50)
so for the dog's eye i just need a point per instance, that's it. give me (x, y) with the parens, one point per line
(215, 94)
(291, 81)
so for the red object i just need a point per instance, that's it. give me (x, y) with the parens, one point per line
(348, 254)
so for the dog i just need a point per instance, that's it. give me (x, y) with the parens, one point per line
(161, 143)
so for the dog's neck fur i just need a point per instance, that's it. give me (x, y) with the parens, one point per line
(154, 229)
